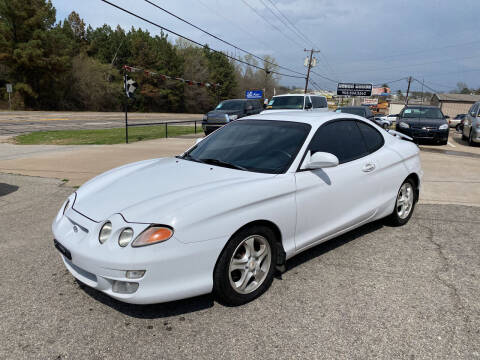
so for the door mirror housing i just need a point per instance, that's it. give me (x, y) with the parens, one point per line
(308, 106)
(319, 160)
(447, 117)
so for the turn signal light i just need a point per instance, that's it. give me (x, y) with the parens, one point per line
(153, 235)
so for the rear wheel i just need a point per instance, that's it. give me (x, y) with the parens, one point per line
(246, 267)
(404, 204)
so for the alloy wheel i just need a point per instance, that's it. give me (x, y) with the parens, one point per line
(405, 200)
(250, 264)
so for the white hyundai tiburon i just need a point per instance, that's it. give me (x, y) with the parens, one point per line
(231, 210)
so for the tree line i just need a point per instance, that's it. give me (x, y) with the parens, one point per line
(67, 65)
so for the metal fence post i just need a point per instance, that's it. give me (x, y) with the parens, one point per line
(195, 126)
(166, 130)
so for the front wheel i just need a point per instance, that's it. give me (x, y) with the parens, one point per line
(404, 204)
(246, 266)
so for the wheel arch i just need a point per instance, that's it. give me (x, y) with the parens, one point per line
(416, 181)
(281, 255)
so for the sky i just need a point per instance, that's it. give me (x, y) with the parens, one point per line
(368, 41)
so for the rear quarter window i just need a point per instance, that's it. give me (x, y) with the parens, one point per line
(373, 138)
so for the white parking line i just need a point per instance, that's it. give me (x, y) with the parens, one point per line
(449, 143)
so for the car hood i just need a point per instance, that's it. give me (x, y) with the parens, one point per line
(219, 113)
(154, 188)
(421, 122)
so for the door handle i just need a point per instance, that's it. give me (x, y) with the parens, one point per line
(368, 167)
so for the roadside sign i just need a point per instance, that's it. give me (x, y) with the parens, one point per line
(370, 102)
(9, 88)
(352, 89)
(130, 86)
(253, 94)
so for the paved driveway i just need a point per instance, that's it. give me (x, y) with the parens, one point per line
(377, 292)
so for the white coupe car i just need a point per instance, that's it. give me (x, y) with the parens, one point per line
(230, 211)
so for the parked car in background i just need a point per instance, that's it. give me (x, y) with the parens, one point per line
(229, 212)
(229, 110)
(357, 110)
(471, 125)
(423, 123)
(457, 122)
(381, 120)
(296, 102)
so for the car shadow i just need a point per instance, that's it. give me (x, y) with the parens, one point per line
(185, 306)
(154, 311)
(6, 189)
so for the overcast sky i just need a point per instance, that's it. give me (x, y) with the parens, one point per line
(370, 41)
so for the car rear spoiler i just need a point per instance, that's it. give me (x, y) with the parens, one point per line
(400, 135)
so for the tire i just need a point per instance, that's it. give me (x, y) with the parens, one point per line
(445, 142)
(228, 286)
(463, 136)
(398, 217)
(470, 139)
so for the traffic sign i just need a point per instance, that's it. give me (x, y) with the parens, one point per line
(253, 94)
(352, 89)
(9, 88)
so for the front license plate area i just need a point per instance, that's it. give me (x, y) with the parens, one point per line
(62, 249)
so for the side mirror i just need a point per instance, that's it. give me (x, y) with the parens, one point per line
(447, 117)
(308, 106)
(319, 160)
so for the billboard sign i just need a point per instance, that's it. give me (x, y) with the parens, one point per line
(254, 94)
(381, 91)
(370, 102)
(353, 89)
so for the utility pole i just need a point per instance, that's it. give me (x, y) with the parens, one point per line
(408, 90)
(309, 66)
(423, 80)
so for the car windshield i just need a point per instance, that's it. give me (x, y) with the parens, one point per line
(286, 102)
(422, 113)
(254, 145)
(230, 105)
(354, 111)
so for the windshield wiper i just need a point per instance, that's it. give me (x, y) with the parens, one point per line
(190, 157)
(223, 163)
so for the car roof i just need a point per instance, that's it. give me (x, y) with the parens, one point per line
(351, 107)
(422, 106)
(308, 117)
(297, 95)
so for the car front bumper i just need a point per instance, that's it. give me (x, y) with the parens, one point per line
(173, 270)
(425, 134)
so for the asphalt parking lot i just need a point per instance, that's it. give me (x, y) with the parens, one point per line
(377, 292)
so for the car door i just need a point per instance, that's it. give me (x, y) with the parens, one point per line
(467, 124)
(333, 199)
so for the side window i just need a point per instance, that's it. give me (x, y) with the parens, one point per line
(319, 102)
(373, 139)
(341, 138)
(324, 102)
(473, 110)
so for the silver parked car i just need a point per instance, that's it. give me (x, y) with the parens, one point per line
(471, 125)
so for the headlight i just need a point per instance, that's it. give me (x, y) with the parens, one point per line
(125, 237)
(443, 127)
(105, 232)
(404, 125)
(232, 117)
(153, 235)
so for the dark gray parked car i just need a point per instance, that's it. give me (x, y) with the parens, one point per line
(423, 123)
(471, 125)
(229, 110)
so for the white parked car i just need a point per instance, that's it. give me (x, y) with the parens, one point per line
(230, 211)
(296, 102)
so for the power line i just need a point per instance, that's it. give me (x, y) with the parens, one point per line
(197, 43)
(390, 82)
(324, 77)
(297, 30)
(218, 38)
(271, 24)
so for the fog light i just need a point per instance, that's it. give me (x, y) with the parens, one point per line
(125, 237)
(123, 287)
(135, 274)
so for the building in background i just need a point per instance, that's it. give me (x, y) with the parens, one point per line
(453, 104)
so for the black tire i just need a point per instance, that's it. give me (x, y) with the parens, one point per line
(445, 142)
(222, 289)
(470, 139)
(463, 136)
(394, 219)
